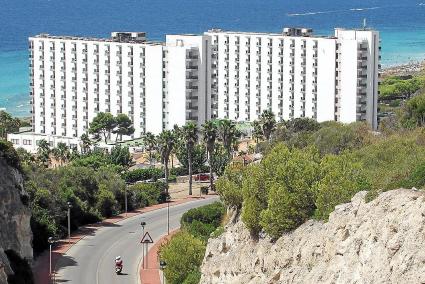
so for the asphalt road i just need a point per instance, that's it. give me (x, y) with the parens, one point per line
(91, 260)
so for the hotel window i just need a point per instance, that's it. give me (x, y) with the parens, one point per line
(15, 141)
(26, 142)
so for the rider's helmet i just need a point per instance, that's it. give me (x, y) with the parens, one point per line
(118, 258)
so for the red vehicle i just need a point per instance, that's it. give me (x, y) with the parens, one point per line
(202, 177)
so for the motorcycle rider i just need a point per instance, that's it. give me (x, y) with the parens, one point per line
(118, 262)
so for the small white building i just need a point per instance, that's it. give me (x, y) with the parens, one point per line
(220, 74)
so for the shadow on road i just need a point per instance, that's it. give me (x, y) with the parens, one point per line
(65, 261)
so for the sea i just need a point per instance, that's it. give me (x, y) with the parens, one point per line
(401, 23)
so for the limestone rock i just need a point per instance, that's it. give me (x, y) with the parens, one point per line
(15, 230)
(382, 241)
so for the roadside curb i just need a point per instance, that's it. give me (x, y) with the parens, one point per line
(151, 275)
(40, 267)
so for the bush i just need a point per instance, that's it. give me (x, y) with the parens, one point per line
(8, 153)
(341, 178)
(106, 203)
(208, 214)
(193, 277)
(172, 178)
(145, 194)
(291, 185)
(183, 255)
(199, 229)
(180, 171)
(143, 175)
(254, 197)
(229, 186)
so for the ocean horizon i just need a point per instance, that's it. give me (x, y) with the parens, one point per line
(402, 26)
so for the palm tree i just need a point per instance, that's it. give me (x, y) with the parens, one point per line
(268, 123)
(61, 153)
(85, 143)
(210, 132)
(189, 134)
(257, 131)
(166, 142)
(43, 152)
(227, 131)
(149, 140)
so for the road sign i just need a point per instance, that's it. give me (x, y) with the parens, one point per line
(147, 239)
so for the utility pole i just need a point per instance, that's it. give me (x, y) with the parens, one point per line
(50, 240)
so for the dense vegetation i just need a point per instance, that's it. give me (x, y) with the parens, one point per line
(183, 254)
(400, 87)
(311, 167)
(92, 184)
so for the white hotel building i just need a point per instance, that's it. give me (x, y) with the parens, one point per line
(220, 74)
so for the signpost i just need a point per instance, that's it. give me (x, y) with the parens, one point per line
(146, 240)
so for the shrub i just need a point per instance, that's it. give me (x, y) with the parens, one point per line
(208, 214)
(180, 171)
(172, 178)
(143, 175)
(183, 255)
(106, 203)
(199, 229)
(254, 197)
(341, 178)
(291, 185)
(8, 153)
(145, 194)
(193, 277)
(229, 186)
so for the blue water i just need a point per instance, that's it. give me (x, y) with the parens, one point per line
(402, 26)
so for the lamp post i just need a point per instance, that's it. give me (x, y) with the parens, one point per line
(143, 224)
(51, 241)
(69, 222)
(125, 194)
(168, 215)
(162, 265)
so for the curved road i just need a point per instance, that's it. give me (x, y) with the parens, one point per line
(91, 260)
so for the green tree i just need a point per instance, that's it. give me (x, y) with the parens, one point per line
(61, 153)
(190, 137)
(229, 186)
(43, 152)
(8, 124)
(103, 124)
(268, 123)
(414, 112)
(254, 197)
(86, 143)
(120, 156)
(291, 189)
(341, 178)
(257, 131)
(183, 255)
(124, 126)
(166, 142)
(219, 160)
(228, 134)
(149, 140)
(209, 133)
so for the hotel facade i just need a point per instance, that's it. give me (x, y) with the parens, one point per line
(220, 74)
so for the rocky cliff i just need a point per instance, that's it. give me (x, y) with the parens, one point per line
(15, 231)
(382, 241)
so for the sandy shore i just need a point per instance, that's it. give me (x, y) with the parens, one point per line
(410, 68)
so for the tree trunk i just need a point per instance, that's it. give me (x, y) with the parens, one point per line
(166, 173)
(190, 171)
(211, 170)
(104, 135)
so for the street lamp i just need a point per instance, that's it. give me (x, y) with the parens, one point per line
(143, 224)
(69, 222)
(51, 241)
(168, 214)
(162, 265)
(125, 193)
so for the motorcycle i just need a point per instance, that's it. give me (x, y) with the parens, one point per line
(118, 269)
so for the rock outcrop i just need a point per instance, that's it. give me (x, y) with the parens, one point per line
(382, 241)
(15, 230)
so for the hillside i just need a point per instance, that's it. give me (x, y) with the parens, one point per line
(377, 242)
